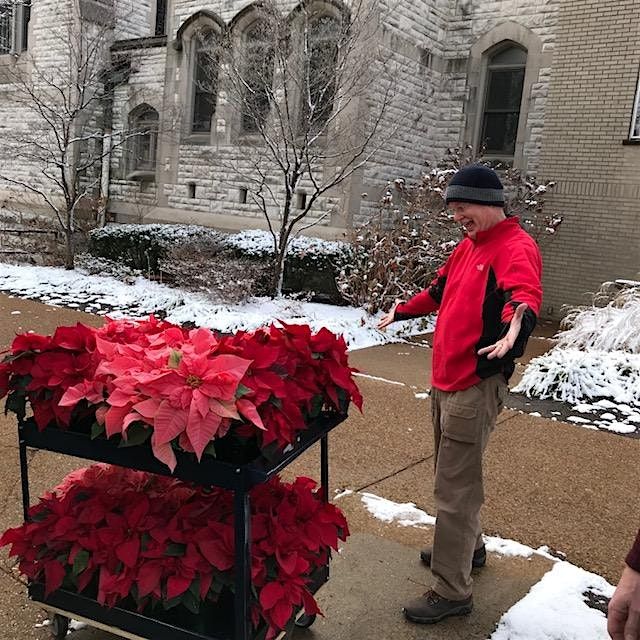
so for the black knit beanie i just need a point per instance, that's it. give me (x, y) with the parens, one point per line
(475, 183)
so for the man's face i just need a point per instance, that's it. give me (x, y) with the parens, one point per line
(475, 217)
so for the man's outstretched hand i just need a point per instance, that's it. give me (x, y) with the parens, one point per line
(504, 345)
(388, 318)
(624, 609)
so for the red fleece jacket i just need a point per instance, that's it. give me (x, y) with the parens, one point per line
(476, 292)
(633, 557)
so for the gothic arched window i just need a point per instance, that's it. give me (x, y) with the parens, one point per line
(323, 37)
(205, 80)
(503, 96)
(143, 139)
(259, 53)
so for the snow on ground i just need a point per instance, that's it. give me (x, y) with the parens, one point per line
(554, 608)
(104, 295)
(596, 360)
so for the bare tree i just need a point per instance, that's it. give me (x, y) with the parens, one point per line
(63, 133)
(309, 93)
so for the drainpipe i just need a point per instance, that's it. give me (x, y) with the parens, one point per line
(107, 142)
(105, 177)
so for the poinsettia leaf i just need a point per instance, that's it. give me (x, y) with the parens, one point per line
(96, 430)
(215, 553)
(270, 594)
(164, 453)
(137, 433)
(191, 602)
(169, 423)
(128, 551)
(210, 450)
(174, 359)
(177, 585)
(170, 604)
(316, 406)
(175, 549)
(149, 577)
(80, 562)
(242, 391)
(249, 411)
(202, 431)
(281, 613)
(54, 573)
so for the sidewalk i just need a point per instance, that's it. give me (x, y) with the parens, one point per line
(547, 483)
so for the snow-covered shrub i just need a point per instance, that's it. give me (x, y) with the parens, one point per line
(218, 272)
(231, 265)
(92, 265)
(312, 264)
(597, 353)
(612, 323)
(397, 253)
(571, 375)
(142, 246)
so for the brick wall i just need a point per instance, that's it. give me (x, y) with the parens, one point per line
(589, 109)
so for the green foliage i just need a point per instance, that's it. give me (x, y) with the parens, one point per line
(230, 266)
(143, 246)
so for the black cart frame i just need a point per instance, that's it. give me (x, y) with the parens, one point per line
(239, 478)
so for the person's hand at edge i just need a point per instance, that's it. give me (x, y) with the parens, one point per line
(389, 317)
(500, 348)
(623, 621)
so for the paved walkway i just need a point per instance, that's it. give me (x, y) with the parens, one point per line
(547, 483)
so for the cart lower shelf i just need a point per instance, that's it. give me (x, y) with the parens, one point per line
(136, 626)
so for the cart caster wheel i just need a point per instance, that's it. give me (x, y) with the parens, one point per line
(59, 627)
(305, 621)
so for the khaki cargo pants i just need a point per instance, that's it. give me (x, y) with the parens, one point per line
(462, 423)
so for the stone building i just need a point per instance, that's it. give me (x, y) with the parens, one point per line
(550, 85)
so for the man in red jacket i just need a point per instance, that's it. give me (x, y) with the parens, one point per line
(624, 609)
(488, 297)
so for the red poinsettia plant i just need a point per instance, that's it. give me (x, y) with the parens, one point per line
(178, 388)
(149, 542)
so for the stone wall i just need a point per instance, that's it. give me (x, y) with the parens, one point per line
(53, 37)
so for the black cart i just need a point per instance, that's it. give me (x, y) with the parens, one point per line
(239, 478)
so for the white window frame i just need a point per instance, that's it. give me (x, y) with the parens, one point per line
(634, 130)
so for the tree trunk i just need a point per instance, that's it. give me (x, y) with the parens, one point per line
(69, 253)
(278, 272)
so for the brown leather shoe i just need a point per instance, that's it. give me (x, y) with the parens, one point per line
(431, 607)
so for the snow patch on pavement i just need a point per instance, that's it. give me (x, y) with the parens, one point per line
(555, 607)
(105, 295)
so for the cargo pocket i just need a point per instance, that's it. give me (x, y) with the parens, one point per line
(461, 423)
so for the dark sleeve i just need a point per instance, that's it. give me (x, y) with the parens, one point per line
(529, 321)
(423, 303)
(633, 557)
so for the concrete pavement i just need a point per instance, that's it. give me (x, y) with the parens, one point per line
(547, 483)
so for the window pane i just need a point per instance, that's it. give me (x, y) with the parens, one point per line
(258, 77)
(499, 133)
(323, 57)
(6, 27)
(504, 91)
(512, 55)
(205, 83)
(26, 18)
(143, 126)
(161, 17)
